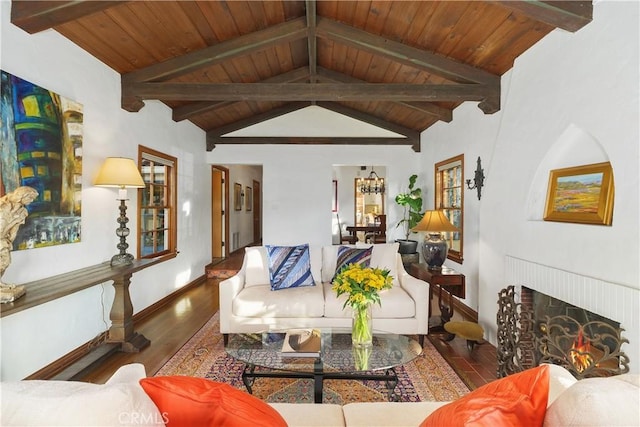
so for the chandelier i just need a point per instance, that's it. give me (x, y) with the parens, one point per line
(373, 184)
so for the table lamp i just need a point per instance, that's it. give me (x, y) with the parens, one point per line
(434, 248)
(122, 173)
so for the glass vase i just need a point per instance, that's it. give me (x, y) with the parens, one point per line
(362, 326)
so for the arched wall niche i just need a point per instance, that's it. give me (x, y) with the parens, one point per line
(575, 147)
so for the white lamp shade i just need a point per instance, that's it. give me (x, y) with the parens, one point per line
(119, 172)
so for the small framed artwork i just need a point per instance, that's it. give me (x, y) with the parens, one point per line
(581, 194)
(248, 199)
(334, 200)
(237, 196)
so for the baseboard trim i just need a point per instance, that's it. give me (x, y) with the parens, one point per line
(464, 310)
(78, 356)
(143, 314)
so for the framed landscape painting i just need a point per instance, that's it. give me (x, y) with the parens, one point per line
(581, 194)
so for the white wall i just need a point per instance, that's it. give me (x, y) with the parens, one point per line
(33, 338)
(573, 97)
(296, 184)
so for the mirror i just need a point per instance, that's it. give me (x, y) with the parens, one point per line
(353, 206)
(367, 205)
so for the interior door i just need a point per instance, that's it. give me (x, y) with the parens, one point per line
(257, 214)
(219, 219)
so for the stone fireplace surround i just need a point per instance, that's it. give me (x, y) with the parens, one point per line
(610, 300)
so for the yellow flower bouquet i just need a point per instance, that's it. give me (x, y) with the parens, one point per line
(362, 286)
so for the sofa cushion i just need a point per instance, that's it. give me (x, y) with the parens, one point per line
(384, 255)
(347, 255)
(310, 414)
(256, 265)
(396, 303)
(560, 379)
(261, 301)
(289, 267)
(119, 402)
(516, 400)
(329, 258)
(190, 401)
(388, 414)
(612, 401)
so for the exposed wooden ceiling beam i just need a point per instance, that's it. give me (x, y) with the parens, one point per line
(441, 113)
(191, 110)
(410, 137)
(36, 16)
(568, 15)
(312, 42)
(239, 46)
(368, 118)
(257, 118)
(307, 92)
(213, 141)
(398, 52)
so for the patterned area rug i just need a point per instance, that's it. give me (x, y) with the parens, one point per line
(427, 378)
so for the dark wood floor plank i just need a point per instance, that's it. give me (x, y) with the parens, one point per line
(174, 324)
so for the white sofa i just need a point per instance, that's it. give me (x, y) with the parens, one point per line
(247, 303)
(122, 401)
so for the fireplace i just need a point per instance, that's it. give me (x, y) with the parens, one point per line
(543, 329)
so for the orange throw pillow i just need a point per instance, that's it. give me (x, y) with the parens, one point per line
(188, 401)
(516, 400)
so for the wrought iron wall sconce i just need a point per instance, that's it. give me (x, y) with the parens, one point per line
(478, 179)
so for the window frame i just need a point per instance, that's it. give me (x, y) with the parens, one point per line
(170, 193)
(440, 171)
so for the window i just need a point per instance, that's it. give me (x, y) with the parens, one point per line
(449, 196)
(157, 233)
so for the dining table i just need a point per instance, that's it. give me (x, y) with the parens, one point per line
(371, 228)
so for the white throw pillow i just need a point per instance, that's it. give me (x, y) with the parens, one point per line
(385, 255)
(611, 401)
(256, 271)
(119, 402)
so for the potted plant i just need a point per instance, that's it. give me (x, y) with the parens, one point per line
(411, 202)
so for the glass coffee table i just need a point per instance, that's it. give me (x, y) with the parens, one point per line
(261, 354)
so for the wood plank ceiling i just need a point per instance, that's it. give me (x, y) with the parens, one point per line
(225, 65)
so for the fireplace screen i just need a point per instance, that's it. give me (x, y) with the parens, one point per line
(544, 329)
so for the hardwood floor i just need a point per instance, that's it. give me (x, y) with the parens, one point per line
(170, 328)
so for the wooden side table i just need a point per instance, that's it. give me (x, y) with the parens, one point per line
(444, 278)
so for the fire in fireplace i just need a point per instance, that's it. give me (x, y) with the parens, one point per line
(543, 329)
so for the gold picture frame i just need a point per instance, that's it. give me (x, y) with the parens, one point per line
(237, 196)
(581, 194)
(248, 205)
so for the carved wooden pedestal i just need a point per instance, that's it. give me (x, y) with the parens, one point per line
(121, 330)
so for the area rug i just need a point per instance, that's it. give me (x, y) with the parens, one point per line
(428, 378)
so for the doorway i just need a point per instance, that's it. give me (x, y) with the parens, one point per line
(219, 217)
(257, 213)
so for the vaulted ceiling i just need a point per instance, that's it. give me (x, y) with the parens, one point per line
(226, 65)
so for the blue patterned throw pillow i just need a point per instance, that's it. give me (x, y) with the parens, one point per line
(289, 266)
(347, 255)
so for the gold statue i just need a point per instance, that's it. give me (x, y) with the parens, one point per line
(12, 215)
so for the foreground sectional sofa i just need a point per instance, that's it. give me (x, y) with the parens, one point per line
(248, 304)
(547, 395)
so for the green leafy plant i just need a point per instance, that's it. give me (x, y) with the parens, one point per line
(411, 201)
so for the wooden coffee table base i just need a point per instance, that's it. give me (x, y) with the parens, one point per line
(318, 375)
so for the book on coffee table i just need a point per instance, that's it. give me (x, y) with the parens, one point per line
(301, 343)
